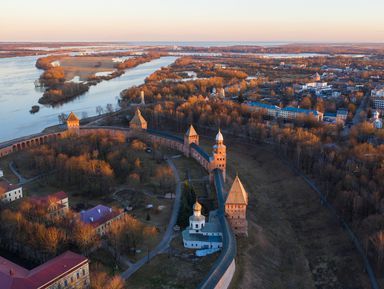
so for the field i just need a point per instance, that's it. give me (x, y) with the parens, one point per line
(85, 66)
(293, 241)
(178, 269)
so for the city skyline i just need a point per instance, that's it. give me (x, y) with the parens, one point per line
(171, 20)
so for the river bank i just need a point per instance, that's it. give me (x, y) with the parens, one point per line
(66, 77)
(17, 76)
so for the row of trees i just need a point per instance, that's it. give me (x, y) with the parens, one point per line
(34, 233)
(95, 163)
(350, 173)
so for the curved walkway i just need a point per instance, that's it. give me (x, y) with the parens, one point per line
(164, 244)
(22, 180)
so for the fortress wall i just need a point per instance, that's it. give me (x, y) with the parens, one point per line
(226, 279)
(29, 141)
(221, 273)
(200, 159)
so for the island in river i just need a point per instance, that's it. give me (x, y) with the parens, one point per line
(65, 77)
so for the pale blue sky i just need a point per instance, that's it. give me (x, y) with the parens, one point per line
(192, 20)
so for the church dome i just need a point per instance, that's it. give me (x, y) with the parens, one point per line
(197, 206)
(219, 136)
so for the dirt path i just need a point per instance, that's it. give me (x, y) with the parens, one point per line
(293, 241)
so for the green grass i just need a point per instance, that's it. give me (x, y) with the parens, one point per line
(172, 271)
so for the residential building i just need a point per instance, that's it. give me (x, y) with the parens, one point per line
(377, 96)
(201, 234)
(101, 217)
(378, 91)
(341, 115)
(329, 117)
(268, 109)
(377, 121)
(69, 270)
(57, 204)
(236, 207)
(10, 192)
(294, 112)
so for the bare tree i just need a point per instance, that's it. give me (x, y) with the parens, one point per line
(62, 118)
(99, 110)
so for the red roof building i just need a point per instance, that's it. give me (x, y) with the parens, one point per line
(10, 192)
(69, 270)
(57, 203)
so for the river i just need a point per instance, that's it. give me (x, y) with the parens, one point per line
(18, 94)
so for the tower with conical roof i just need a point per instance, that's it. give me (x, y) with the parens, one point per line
(236, 207)
(219, 158)
(190, 137)
(73, 123)
(138, 121)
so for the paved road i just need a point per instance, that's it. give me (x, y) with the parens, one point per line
(22, 180)
(164, 244)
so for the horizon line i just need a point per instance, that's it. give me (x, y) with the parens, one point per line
(194, 41)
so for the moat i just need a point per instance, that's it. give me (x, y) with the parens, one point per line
(17, 76)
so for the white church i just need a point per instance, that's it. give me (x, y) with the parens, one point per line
(201, 234)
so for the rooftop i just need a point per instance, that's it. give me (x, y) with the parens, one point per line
(98, 215)
(6, 186)
(262, 105)
(191, 131)
(237, 194)
(165, 135)
(200, 237)
(300, 110)
(72, 117)
(138, 119)
(200, 151)
(13, 276)
(58, 196)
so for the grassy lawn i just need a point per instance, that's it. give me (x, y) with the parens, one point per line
(178, 269)
(198, 176)
(293, 241)
(4, 165)
(102, 258)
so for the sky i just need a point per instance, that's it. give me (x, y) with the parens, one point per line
(192, 20)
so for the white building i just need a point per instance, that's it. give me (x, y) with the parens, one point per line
(341, 115)
(378, 91)
(201, 234)
(377, 122)
(10, 192)
(294, 112)
(377, 96)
